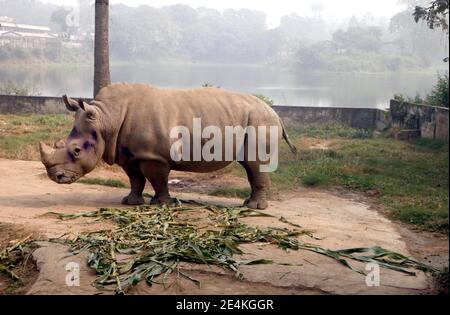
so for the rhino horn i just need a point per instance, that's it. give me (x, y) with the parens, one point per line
(47, 153)
(59, 144)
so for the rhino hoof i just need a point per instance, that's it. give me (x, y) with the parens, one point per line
(258, 204)
(133, 200)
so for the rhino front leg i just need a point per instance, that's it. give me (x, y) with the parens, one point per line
(137, 183)
(158, 175)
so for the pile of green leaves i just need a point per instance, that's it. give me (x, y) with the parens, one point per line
(12, 256)
(155, 240)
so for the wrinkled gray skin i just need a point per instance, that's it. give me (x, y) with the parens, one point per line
(129, 125)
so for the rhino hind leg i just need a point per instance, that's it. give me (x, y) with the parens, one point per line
(137, 183)
(260, 184)
(157, 174)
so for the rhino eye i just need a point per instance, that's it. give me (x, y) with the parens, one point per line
(87, 145)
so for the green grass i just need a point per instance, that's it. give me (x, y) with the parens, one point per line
(315, 178)
(330, 130)
(409, 178)
(231, 192)
(431, 144)
(20, 134)
(103, 182)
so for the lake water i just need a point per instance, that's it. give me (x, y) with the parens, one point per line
(284, 86)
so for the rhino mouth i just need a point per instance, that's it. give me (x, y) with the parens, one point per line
(63, 176)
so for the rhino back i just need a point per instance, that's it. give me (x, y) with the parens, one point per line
(147, 115)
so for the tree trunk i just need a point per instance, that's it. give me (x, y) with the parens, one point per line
(102, 75)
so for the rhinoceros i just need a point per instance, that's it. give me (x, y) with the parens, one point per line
(130, 125)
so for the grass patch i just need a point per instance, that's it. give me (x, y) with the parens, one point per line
(20, 134)
(315, 178)
(433, 144)
(331, 130)
(357, 182)
(413, 214)
(231, 192)
(103, 182)
(411, 179)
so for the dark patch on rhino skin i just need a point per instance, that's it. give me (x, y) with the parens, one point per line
(71, 157)
(74, 133)
(88, 145)
(124, 151)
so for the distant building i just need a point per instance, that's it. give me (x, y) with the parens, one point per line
(6, 19)
(317, 9)
(25, 36)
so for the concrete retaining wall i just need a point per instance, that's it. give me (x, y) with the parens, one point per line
(11, 104)
(360, 118)
(410, 120)
(415, 120)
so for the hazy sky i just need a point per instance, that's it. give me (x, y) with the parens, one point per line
(333, 10)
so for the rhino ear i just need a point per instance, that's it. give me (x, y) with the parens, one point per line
(71, 104)
(90, 110)
(81, 104)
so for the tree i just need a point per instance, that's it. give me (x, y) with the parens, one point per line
(439, 94)
(413, 38)
(59, 18)
(102, 75)
(360, 38)
(436, 14)
(28, 11)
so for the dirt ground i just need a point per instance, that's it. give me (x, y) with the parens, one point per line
(341, 220)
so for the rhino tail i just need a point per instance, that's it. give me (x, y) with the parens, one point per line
(286, 138)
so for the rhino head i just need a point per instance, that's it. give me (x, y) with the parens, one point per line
(70, 159)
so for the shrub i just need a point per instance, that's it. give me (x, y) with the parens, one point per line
(408, 99)
(11, 88)
(265, 99)
(437, 97)
(439, 94)
(207, 84)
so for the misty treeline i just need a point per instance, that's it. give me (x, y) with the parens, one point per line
(180, 32)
